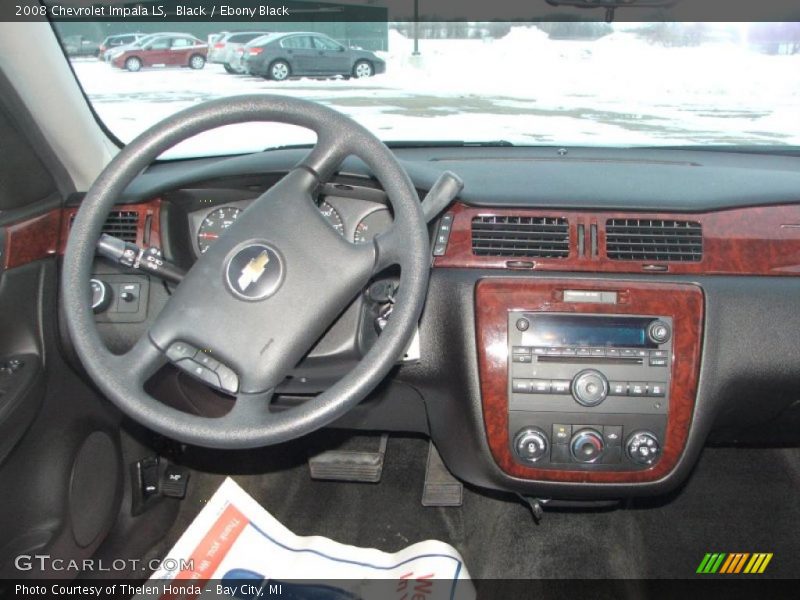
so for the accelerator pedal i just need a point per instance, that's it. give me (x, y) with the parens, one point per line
(441, 488)
(355, 462)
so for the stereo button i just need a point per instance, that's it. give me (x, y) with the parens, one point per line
(522, 358)
(560, 386)
(658, 362)
(589, 387)
(584, 352)
(520, 349)
(618, 388)
(521, 386)
(612, 352)
(540, 386)
(656, 389)
(561, 433)
(637, 388)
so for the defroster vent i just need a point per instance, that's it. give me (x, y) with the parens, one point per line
(654, 240)
(532, 237)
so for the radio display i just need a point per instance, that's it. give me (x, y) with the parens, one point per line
(569, 330)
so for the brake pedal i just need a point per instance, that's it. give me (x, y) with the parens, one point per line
(441, 488)
(359, 466)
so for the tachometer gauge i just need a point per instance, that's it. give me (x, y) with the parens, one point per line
(371, 225)
(215, 224)
(332, 216)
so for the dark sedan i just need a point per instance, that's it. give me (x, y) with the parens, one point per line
(280, 56)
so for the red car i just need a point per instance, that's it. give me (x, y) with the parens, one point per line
(169, 50)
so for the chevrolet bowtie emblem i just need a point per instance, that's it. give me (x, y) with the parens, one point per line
(253, 270)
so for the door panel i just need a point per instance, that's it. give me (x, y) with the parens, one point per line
(332, 59)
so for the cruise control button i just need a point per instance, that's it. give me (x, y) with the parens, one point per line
(202, 373)
(560, 386)
(656, 389)
(228, 379)
(540, 386)
(618, 388)
(521, 386)
(637, 388)
(180, 350)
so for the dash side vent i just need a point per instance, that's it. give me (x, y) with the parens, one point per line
(531, 237)
(654, 240)
(122, 224)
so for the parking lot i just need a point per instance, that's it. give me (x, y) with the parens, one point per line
(515, 88)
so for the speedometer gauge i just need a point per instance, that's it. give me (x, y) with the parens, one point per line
(371, 225)
(215, 224)
(332, 216)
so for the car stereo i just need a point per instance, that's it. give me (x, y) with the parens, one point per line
(588, 391)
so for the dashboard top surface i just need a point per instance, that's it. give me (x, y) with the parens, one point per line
(587, 178)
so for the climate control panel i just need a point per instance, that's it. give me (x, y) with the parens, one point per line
(588, 391)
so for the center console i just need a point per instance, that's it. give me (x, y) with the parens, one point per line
(588, 381)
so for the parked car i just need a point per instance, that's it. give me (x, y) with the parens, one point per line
(116, 41)
(77, 46)
(171, 50)
(223, 50)
(114, 52)
(283, 55)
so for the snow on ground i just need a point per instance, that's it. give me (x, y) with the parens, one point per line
(524, 88)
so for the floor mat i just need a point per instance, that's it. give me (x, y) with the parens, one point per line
(737, 500)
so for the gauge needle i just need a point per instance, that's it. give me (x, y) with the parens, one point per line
(211, 236)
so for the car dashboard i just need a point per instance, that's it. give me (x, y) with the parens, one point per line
(594, 317)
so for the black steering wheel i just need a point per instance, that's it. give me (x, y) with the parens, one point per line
(261, 296)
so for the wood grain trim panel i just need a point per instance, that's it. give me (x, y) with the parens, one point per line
(46, 235)
(495, 297)
(763, 240)
(32, 239)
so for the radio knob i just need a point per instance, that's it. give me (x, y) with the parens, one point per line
(586, 446)
(589, 387)
(531, 444)
(643, 447)
(658, 332)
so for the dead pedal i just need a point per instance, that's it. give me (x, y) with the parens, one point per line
(360, 466)
(441, 488)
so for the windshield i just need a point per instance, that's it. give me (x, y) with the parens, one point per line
(589, 84)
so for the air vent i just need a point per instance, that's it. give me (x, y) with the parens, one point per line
(654, 239)
(534, 237)
(122, 224)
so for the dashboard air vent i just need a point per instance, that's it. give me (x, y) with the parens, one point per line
(654, 239)
(122, 224)
(533, 237)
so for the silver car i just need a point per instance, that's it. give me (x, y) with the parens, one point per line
(223, 50)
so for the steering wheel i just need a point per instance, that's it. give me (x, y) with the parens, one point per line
(265, 292)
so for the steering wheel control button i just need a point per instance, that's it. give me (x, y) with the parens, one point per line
(531, 444)
(229, 381)
(202, 373)
(206, 360)
(254, 272)
(587, 446)
(180, 350)
(658, 332)
(643, 448)
(589, 388)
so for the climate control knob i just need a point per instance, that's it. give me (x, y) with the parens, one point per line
(643, 447)
(589, 387)
(531, 444)
(587, 446)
